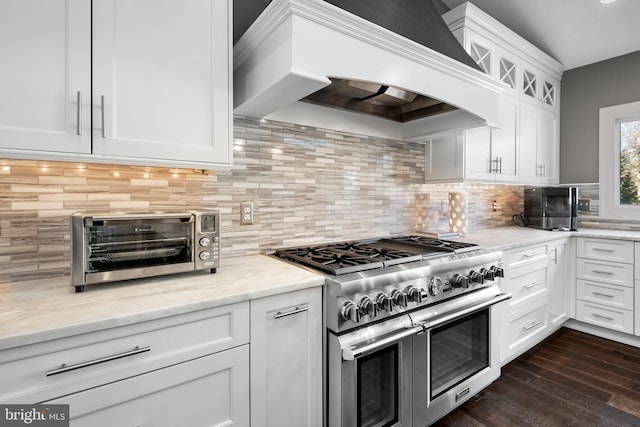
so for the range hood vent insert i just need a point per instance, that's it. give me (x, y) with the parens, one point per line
(385, 101)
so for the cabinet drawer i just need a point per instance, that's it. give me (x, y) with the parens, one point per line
(526, 283)
(208, 391)
(526, 255)
(607, 317)
(605, 249)
(601, 293)
(524, 328)
(45, 370)
(604, 271)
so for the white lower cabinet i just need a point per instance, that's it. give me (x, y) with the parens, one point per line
(524, 328)
(205, 392)
(537, 277)
(560, 281)
(286, 360)
(605, 283)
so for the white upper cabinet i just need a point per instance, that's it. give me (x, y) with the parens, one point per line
(45, 77)
(524, 149)
(159, 70)
(161, 79)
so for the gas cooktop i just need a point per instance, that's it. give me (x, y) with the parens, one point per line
(352, 256)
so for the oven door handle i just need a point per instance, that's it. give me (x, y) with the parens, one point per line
(352, 353)
(465, 311)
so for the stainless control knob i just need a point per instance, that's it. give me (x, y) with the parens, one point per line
(435, 286)
(487, 274)
(497, 271)
(205, 241)
(414, 294)
(384, 302)
(399, 298)
(350, 311)
(367, 306)
(475, 277)
(204, 255)
(459, 281)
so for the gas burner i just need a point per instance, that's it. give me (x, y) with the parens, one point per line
(433, 244)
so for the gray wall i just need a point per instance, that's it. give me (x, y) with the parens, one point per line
(584, 91)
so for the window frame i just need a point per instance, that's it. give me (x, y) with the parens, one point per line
(609, 161)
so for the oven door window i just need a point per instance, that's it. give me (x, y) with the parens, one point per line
(122, 244)
(459, 350)
(378, 388)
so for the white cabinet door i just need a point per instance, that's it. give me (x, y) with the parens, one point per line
(45, 77)
(161, 80)
(504, 140)
(559, 283)
(204, 392)
(286, 360)
(547, 147)
(529, 170)
(477, 154)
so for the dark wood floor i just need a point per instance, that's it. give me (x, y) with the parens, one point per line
(570, 379)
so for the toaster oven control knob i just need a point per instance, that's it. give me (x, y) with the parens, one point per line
(350, 311)
(367, 306)
(205, 241)
(435, 286)
(384, 302)
(497, 271)
(475, 277)
(205, 255)
(487, 274)
(459, 281)
(399, 298)
(414, 294)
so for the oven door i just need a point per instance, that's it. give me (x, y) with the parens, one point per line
(369, 375)
(131, 246)
(455, 359)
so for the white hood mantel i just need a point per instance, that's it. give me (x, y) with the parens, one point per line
(295, 46)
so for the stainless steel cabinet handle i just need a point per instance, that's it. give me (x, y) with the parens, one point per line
(296, 310)
(79, 113)
(532, 285)
(66, 368)
(102, 105)
(499, 165)
(555, 255)
(608, 273)
(531, 325)
(602, 295)
(602, 250)
(602, 317)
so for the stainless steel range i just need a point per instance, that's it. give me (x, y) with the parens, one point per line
(411, 326)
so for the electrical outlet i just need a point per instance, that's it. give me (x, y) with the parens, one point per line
(246, 213)
(584, 205)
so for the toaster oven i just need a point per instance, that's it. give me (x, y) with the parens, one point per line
(114, 247)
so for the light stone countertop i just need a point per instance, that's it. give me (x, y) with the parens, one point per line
(505, 238)
(43, 310)
(47, 309)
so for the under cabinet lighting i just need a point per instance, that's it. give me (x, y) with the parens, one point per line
(606, 1)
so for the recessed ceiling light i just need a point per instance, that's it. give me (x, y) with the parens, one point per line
(607, 1)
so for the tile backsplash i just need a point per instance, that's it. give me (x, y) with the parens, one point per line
(308, 185)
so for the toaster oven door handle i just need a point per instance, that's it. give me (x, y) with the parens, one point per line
(142, 216)
(66, 368)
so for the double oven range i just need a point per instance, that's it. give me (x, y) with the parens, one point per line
(411, 326)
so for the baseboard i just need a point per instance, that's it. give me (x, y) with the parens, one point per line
(603, 332)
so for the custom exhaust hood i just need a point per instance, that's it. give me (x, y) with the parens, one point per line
(387, 68)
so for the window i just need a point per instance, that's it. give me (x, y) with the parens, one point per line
(620, 162)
